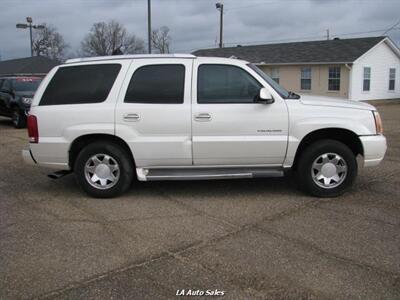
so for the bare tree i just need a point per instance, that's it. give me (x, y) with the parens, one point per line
(160, 39)
(49, 42)
(110, 38)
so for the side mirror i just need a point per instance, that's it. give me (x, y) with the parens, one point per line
(265, 97)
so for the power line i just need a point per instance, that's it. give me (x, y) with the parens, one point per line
(278, 2)
(364, 32)
(295, 39)
(251, 5)
(278, 40)
(397, 23)
(309, 37)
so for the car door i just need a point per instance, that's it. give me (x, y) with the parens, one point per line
(229, 127)
(154, 111)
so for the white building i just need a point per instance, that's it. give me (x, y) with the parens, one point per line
(357, 69)
(376, 73)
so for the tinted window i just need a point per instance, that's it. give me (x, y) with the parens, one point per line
(80, 84)
(278, 88)
(6, 85)
(226, 84)
(26, 84)
(157, 84)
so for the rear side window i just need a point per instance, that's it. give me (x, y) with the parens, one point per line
(80, 84)
(157, 84)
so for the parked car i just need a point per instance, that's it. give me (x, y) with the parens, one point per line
(16, 94)
(180, 117)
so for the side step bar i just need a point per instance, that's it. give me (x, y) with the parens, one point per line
(206, 173)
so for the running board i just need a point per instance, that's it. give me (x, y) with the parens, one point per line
(206, 173)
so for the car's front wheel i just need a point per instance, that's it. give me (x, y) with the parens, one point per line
(104, 170)
(327, 168)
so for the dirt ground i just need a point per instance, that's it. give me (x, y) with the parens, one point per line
(257, 238)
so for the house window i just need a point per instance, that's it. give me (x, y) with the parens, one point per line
(392, 79)
(334, 79)
(367, 79)
(305, 79)
(275, 74)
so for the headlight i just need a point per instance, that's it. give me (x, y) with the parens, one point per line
(26, 101)
(378, 122)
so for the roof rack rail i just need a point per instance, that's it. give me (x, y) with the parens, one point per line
(128, 56)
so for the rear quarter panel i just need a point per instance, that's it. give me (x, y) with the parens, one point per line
(60, 125)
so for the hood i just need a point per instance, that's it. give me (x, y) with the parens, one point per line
(335, 102)
(27, 94)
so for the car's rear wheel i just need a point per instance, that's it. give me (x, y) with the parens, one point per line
(104, 170)
(327, 168)
(18, 118)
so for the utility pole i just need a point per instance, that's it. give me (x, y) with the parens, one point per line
(220, 7)
(327, 34)
(149, 23)
(30, 26)
(29, 20)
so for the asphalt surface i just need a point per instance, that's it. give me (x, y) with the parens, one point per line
(246, 238)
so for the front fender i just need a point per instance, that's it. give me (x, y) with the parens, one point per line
(305, 126)
(362, 124)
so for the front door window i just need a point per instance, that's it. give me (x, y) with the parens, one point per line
(226, 84)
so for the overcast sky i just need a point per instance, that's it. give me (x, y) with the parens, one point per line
(194, 24)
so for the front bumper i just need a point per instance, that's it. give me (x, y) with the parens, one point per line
(374, 147)
(27, 156)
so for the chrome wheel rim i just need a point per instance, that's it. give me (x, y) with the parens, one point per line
(329, 170)
(102, 171)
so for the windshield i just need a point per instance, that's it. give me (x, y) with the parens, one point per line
(26, 84)
(279, 89)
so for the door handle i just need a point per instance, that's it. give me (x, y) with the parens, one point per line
(203, 117)
(131, 117)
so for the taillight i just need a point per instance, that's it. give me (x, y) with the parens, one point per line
(33, 131)
(378, 122)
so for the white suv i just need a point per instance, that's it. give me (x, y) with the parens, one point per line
(179, 117)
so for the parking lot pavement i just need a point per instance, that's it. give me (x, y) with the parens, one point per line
(246, 238)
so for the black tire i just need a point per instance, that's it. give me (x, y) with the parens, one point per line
(314, 151)
(18, 118)
(119, 155)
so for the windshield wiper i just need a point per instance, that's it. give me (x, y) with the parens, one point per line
(293, 95)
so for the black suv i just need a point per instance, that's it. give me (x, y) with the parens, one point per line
(16, 95)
